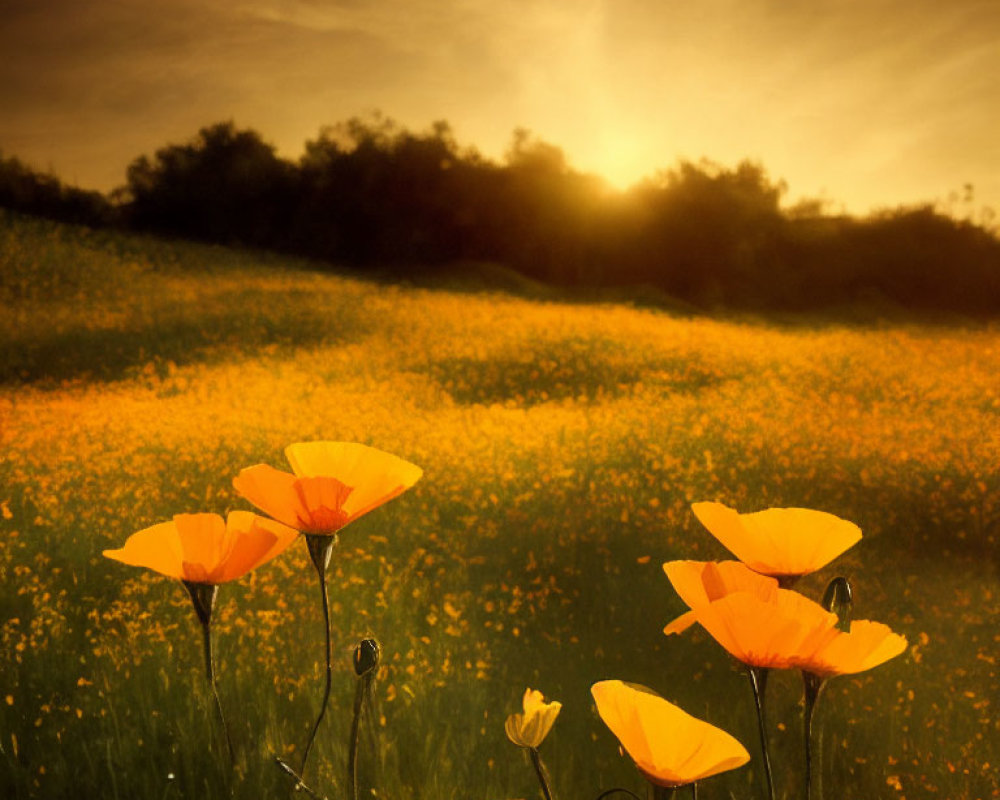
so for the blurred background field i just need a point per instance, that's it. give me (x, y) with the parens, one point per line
(562, 445)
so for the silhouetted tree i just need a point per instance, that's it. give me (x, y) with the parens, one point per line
(226, 186)
(374, 193)
(707, 233)
(368, 192)
(548, 213)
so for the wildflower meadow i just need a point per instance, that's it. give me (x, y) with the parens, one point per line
(545, 460)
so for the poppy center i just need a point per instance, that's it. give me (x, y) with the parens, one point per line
(321, 504)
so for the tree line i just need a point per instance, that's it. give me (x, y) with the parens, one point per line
(370, 194)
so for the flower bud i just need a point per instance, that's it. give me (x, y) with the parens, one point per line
(838, 598)
(528, 729)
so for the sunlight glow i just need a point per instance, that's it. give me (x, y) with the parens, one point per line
(619, 161)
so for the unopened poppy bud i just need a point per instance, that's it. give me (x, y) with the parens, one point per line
(839, 598)
(366, 656)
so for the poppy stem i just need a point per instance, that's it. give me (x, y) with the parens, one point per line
(694, 790)
(543, 780)
(320, 550)
(203, 596)
(758, 681)
(813, 684)
(207, 629)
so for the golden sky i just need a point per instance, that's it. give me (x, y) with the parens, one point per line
(866, 103)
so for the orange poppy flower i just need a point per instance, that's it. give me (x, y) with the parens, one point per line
(668, 745)
(333, 484)
(779, 541)
(867, 645)
(778, 633)
(204, 548)
(700, 582)
(530, 728)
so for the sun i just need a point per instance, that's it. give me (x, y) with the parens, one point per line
(619, 159)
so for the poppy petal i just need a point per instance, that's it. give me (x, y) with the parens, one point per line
(668, 745)
(772, 634)
(157, 548)
(779, 541)
(259, 540)
(205, 545)
(700, 582)
(375, 476)
(203, 548)
(681, 624)
(272, 491)
(867, 645)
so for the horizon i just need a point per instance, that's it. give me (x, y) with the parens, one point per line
(830, 205)
(961, 205)
(864, 107)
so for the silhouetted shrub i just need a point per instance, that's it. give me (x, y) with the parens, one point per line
(22, 189)
(915, 257)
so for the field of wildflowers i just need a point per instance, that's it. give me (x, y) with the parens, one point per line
(562, 447)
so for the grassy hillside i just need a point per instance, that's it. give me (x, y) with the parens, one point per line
(562, 446)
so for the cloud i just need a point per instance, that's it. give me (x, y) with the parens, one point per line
(131, 76)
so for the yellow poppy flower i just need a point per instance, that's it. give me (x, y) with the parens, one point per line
(779, 541)
(774, 633)
(698, 583)
(866, 645)
(668, 745)
(790, 631)
(333, 484)
(530, 728)
(204, 548)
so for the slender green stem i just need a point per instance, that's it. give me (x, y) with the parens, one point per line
(206, 633)
(203, 597)
(210, 669)
(320, 548)
(758, 680)
(543, 779)
(813, 685)
(694, 790)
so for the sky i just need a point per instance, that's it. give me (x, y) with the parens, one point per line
(866, 104)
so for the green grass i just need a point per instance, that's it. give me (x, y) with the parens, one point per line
(562, 445)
